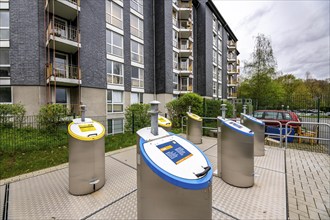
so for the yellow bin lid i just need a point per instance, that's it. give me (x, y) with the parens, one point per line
(164, 122)
(194, 116)
(88, 130)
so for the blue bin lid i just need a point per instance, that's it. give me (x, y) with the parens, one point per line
(236, 126)
(253, 119)
(177, 161)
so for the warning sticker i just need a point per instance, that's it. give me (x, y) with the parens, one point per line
(87, 127)
(175, 152)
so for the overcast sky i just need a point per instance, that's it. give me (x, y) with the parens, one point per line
(299, 32)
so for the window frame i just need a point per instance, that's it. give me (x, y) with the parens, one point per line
(112, 121)
(11, 95)
(139, 4)
(139, 29)
(139, 96)
(110, 15)
(5, 27)
(140, 80)
(112, 75)
(112, 103)
(139, 53)
(111, 45)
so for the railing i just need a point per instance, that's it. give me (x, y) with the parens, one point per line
(184, 4)
(231, 57)
(185, 88)
(186, 68)
(231, 43)
(233, 94)
(62, 31)
(279, 135)
(63, 71)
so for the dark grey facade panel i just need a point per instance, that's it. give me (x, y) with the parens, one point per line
(208, 52)
(224, 61)
(24, 54)
(149, 53)
(127, 45)
(93, 44)
(164, 46)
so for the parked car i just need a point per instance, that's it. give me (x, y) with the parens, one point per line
(277, 115)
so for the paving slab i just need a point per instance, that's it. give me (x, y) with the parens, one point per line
(273, 159)
(128, 157)
(2, 198)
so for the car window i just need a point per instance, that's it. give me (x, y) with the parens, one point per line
(270, 115)
(279, 116)
(287, 116)
(258, 114)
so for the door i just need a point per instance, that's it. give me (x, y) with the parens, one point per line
(61, 65)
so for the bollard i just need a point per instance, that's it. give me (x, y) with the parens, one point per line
(223, 109)
(154, 117)
(189, 109)
(244, 109)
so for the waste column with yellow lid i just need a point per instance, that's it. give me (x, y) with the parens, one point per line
(86, 156)
(164, 123)
(194, 128)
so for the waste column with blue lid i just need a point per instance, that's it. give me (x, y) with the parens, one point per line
(235, 153)
(174, 177)
(86, 156)
(164, 123)
(258, 127)
(194, 128)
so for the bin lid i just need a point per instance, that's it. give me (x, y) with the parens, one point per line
(253, 119)
(236, 126)
(88, 130)
(194, 116)
(177, 161)
(164, 122)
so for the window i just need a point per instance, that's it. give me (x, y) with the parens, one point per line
(175, 39)
(137, 5)
(4, 56)
(115, 101)
(136, 26)
(215, 40)
(270, 115)
(219, 90)
(175, 81)
(286, 116)
(114, 44)
(258, 114)
(214, 23)
(184, 64)
(114, 72)
(4, 25)
(219, 75)
(5, 94)
(214, 88)
(137, 77)
(136, 52)
(186, 84)
(61, 95)
(219, 29)
(219, 44)
(214, 56)
(219, 60)
(115, 126)
(136, 97)
(175, 60)
(214, 72)
(114, 14)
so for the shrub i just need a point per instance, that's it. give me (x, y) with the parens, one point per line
(141, 117)
(51, 116)
(11, 115)
(213, 108)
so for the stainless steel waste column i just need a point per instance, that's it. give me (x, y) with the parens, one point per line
(258, 127)
(194, 128)
(235, 151)
(164, 123)
(174, 178)
(86, 156)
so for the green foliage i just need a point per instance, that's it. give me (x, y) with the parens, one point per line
(11, 115)
(213, 108)
(51, 116)
(239, 109)
(178, 107)
(141, 116)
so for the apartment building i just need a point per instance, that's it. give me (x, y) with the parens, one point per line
(108, 54)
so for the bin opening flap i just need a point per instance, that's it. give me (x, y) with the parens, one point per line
(194, 116)
(162, 121)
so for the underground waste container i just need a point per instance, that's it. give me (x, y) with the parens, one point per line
(194, 128)
(235, 153)
(258, 127)
(174, 178)
(164, 123)
(86, 156)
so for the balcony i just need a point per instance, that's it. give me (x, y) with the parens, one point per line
(64, 8)
(231, 45)
(233, 71)
(232, 83)
(66, 38)
(231, 58)
(185, 50)
(185, 29)
(185, 70)
(232, 95)
(66, 75)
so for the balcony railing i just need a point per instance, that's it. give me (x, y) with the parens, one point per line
(186, 68)
(63, 71)
(66, 32)
(184, 4)
(186, 88)
(233, 94)
(231, 57)
(231, 43)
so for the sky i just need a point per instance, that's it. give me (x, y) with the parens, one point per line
(299, 32)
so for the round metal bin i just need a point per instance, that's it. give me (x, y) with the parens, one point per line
(86, 156)
(194, 128)
(164, 123)
(258, 127)
(235, 154)
(174, 178)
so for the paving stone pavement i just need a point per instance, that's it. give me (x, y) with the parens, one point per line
(308, 179)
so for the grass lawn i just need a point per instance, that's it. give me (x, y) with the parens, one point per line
(18, 161)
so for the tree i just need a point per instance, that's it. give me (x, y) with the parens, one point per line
(261, 70)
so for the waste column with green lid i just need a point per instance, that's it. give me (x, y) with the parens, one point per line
(164, 123)
(86, 156)
(174, 177)
(194, 128)
(235, 153)
(258, 127)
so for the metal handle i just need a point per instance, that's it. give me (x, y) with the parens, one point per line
(206, 170)
(95, 134)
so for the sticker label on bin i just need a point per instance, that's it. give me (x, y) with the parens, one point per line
(87, 127)
(174, 151)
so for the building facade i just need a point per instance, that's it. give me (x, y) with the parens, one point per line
(108, 54)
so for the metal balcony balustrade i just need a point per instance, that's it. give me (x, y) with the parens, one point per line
(63, 71)
(63, 31)
(231, 43)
